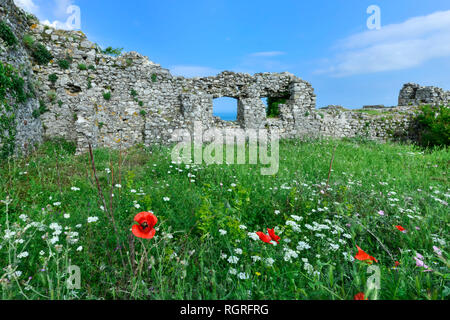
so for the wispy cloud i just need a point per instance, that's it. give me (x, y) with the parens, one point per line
(60, 9)
(268, 54)
(65, 9)
(27, 5)
(393, 47)
(193, 71)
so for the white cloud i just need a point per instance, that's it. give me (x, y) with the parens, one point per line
(57, 24)
(393, 47)
(27, 5)
(193, 71)
(60, 8)
(65, 9)
(267, 54)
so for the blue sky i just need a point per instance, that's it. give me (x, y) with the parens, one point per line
(324, 42)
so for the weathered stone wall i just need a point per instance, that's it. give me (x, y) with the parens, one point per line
(413, 94)
(28, 130)
(147, 103)
(161, 103)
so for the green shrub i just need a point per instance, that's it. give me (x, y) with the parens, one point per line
(113, 51)
(64, 64)
(12, 86)
(82, 66)
(41, 110)
(140, 103)
(143, 113)
(28, 41)
(53, 78)
(51, 95)
(41, 54)
(107, 96)
(91, 67)
(60, 103)
(35, 113)
(154, 77)
(273, 109)
(42, 107)
(7, 35)
(133, 93)
(433, 125)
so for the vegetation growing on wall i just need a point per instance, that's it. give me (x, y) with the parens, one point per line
(64, 64)
(28, 41)
(433, 125)
(273, 109)
(7, 35)
(12, 92)
(40, 54)
(42, 109)
(115, 52)
(38, 51)
(107, 96)
(53, 78)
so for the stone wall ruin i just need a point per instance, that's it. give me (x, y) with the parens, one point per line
(127, 100)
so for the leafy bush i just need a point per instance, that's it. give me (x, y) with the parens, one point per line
(433, 125)
(53, 78)
(7, 35)
(133, 93)
(64, 64)
(42, 107)
(41, 54)
(41, 110)
(115, 52)
(28, 41)
(107, 96)
(11, 86)
(273, 109)
(51, 95)
(91, 67)
(154, 77)
(82, 66)
(35, 113)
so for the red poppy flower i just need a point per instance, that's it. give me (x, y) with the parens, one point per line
(400, 228)
(146, 220)
(361, 255)
(397, 264)
(264, 237)
(273, 235)
(359, 296)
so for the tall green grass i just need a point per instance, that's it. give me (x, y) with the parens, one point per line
(207, 214)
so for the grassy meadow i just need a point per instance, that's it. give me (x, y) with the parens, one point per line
(52, 217)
